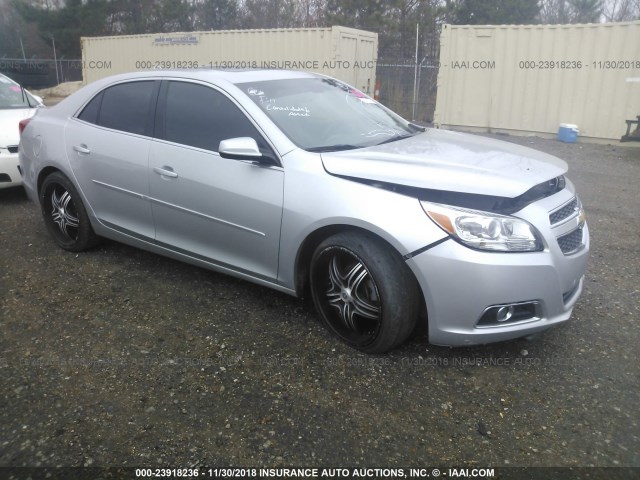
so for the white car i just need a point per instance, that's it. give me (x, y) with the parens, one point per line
(15, 104)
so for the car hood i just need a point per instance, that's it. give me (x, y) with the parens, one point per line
(451, 161)
(9, 119)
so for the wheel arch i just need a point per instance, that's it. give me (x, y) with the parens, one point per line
(310, 243)
(44, 173)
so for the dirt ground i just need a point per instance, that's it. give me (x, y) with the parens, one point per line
(121, 357)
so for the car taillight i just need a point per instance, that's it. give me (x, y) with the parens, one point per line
(22, 125)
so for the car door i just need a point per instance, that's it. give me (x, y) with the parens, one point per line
(108, 148)
(220, 210)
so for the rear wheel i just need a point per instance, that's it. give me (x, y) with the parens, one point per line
(363, 291)
(65, 215)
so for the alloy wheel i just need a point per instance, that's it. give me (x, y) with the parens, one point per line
(351, 300)
(63, 212)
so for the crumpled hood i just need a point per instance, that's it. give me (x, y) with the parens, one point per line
(9, 119)
(451, 161)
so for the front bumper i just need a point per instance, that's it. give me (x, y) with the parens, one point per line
(9, 173)
(460, 284)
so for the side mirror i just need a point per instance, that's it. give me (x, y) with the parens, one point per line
(244, 148)
(241, 148)
(38, 98)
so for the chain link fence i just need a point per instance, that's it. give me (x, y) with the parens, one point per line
(408, 85)
(408, 89)
(41, 73)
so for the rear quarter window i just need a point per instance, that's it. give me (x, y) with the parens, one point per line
(90, 112)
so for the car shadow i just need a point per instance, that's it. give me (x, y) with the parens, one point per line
(13, 195)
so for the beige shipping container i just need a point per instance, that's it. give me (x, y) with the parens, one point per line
(527, 79)
(344, 53)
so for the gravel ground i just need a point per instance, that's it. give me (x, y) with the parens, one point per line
(121, 357)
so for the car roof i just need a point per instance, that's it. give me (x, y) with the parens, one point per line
(222, 78)
(228, 80)
(231, 76)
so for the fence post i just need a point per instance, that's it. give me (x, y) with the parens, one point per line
(415, 75)
(55, 60)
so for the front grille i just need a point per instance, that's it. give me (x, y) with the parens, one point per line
(13, 148)
(571, 242)
(4, 178)
(564, 212)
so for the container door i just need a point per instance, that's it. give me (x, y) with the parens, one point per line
(366, 71)
(348, 54)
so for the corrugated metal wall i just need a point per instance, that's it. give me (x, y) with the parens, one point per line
(345, 53)
(531, 78)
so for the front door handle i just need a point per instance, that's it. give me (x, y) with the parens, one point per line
(166, 172)
(81, 149)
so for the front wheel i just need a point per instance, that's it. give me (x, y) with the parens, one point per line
(363, 291)
(65, 215)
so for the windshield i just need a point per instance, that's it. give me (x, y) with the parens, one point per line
(12, 96)
(323, 114)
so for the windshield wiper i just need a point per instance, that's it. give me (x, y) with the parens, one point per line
(395, 138)
(25, 97)
(332, 148)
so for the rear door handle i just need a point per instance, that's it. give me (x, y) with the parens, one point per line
(166, 172)
(81, 149)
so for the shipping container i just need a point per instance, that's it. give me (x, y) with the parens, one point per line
(344, 53)
(528, 79)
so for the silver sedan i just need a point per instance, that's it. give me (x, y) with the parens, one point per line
(304, 184)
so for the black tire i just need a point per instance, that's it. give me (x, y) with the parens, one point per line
(65, 215)
(364, 292)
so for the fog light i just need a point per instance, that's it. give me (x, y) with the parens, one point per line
(506, 314)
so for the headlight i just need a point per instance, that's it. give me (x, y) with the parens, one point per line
(484, 230)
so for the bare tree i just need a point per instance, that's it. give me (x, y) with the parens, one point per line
(588, 11)
(270, 14)
(585, 11)
(554, 12)
(621, 10)
(311, 13)
(18, 36)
